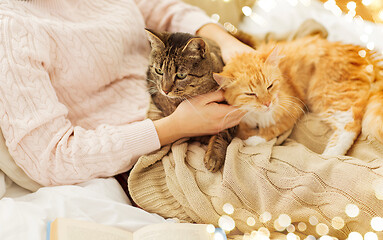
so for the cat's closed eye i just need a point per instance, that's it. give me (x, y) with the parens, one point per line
(159, 71)
(269, 87)
(251, 94)
(181, 75)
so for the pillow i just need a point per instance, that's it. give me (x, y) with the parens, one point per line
(14, 172)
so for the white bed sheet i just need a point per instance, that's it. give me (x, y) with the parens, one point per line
(23, 215)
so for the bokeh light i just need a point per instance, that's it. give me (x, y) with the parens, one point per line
(226, 223)
(228, 208)
(370, 236)
(322, 229)
(351, 5)
(337, 223)
(215, 17)
(250, 221)
(247, 10)
(371, 45)
(313, 220)
(355, 236)
(310, 237)
(284, 220)
(265, 217)
(326, 238)
(352, 210)
(264, 232)
(290, 228)
(278, 226)
(302, 226)
(210, 228)
(292, 236)
(362, 53)
(377, 223)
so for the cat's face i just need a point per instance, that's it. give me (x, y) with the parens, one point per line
(179, 65)
(254, 87)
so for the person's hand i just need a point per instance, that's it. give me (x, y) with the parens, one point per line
(230, 46)
(198, 116)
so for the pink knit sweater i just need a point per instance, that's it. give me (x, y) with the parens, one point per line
(73, 93)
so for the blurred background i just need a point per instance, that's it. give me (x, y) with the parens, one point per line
(232, 11)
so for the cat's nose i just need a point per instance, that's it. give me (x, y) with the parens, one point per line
(267, 104)
(166, 92)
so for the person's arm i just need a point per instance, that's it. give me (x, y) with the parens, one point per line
(172, 15)
(39, 136)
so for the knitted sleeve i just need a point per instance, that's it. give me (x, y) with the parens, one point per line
(172, 15)
(38, 134)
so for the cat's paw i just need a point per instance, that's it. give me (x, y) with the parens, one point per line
(254, 141)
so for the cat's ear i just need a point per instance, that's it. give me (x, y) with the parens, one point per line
(222, 80)
(274, 57)
(155, 39)
(196, 46)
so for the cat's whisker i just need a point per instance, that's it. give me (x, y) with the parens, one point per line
(153, 81)
(227, 115)
(288, 112)
(197, 112)
(304, 104)
(294, 103)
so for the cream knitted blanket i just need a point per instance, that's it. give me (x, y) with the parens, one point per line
(283, 185)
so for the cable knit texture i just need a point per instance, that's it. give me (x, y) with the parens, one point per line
(282, 176)
(73, 93)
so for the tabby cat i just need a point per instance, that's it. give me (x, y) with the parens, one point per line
(342, 83)
(181, 66)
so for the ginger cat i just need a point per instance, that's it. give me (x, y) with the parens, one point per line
(342, 83)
